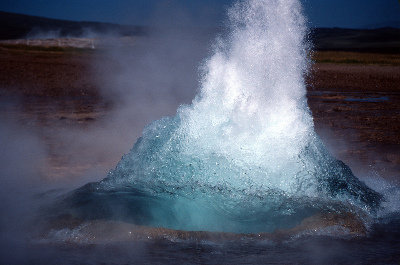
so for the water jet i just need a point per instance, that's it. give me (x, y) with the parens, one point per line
(244, 156)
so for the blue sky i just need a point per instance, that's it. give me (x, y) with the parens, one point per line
(321, 13)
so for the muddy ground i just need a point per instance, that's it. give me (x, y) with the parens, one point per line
(356, 108)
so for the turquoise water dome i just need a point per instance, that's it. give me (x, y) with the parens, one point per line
(244, 156)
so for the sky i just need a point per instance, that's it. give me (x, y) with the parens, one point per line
(320, 13)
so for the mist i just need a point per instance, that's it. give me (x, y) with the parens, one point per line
(145, 80)
(140, 80)
(85, 32)
(21, 159)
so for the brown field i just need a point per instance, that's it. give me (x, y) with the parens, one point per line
(354, 98)
(361, 58)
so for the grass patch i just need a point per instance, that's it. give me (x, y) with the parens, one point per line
(338, 57)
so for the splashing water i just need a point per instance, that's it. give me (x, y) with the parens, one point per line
(243, 157)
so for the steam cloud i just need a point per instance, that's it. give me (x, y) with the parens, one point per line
(142, 83)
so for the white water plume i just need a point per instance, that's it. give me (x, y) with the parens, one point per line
(243, 157)
(252, 107)
(251, 110)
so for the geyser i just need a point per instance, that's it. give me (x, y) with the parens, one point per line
(243, 157)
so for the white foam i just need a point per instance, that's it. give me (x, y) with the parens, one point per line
(252, 107)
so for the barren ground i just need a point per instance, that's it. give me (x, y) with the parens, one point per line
(356, 107)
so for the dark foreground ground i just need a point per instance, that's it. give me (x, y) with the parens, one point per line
(356, 107)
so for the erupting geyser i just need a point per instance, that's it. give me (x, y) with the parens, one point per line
(243, 157)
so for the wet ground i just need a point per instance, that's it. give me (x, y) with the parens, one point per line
(360, 128)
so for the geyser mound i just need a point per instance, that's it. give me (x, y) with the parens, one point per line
(243, 157)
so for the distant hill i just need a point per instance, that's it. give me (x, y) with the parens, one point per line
(383, 40)
(18, 26)
(387, 24)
